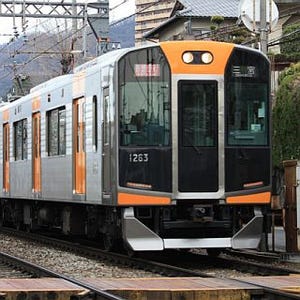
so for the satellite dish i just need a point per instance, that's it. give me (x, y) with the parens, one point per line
(249, 12)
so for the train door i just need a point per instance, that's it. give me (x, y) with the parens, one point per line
(198, 136)
(79, 146)
(106, 155)
(36, 152)
(6, 157)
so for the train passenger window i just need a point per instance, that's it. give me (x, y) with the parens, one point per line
(144, 103)
(56, 131)
(95, 122)
(20, 140)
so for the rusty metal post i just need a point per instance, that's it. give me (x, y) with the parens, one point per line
(290, 205)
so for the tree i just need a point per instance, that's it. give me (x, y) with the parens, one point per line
(230, 34)
(290, 43)
(286, 120)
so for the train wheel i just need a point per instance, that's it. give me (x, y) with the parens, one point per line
(19, 225)
(109, 242)
(27, 228)
(129, 251)
(5, 216)
(1, 218)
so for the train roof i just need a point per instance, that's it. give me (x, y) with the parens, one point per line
(109, 57)
(54, 82)
(102, 60)
(13, 103)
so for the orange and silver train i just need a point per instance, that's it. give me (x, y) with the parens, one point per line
(160, 147)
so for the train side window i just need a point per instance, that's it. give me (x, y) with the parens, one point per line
(56, 131)
(95, 122)
(20, 140)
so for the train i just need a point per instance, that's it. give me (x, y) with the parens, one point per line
(164, 146)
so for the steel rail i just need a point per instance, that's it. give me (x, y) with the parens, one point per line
(154, 266)
(44, 272)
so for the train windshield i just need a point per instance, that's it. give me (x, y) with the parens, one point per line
(144, 105)
(247, 100)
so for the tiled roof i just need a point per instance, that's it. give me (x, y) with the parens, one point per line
(208, 8)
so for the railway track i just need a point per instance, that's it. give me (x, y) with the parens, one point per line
(144, 263)
(168, 263)
(164, 265)
(39, 271)
(11, 270)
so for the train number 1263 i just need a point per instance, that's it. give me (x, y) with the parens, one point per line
(138, 157)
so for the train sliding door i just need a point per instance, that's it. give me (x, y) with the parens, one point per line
(79, 146)
(197, 136)
(36, 152)
(106, 155)
(6, 158)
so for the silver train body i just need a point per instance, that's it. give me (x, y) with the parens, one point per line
(73, 155)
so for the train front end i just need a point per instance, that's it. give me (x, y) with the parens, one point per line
(194, 146)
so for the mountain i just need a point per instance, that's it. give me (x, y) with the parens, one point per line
(123, 31)
(26, 58)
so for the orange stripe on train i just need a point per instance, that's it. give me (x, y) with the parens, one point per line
(174, 52)
(136, 199)
(5, 115)
(36, 104)
(259, 198)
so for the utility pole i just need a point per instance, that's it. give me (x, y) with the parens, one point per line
(259, 18)
(263, 27)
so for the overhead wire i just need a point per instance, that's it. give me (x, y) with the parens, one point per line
(44, 51)
(144, 8)
(19, 50)
(234, 27)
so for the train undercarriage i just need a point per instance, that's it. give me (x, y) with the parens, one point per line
(142, 228)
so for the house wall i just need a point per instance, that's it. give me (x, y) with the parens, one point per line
(199, 26)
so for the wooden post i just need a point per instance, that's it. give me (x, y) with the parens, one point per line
(290, 205)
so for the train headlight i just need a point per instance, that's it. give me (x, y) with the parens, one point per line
(206, 57)
(197, 57)
(188, 57)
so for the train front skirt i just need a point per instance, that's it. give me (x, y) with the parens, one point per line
(140, 238)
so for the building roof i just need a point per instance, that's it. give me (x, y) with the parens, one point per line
(207, 8)
(198, 9)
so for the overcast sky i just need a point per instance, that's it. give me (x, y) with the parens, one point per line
(122, 8)
(119, 10)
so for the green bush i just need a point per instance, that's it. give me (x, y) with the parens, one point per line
(286, 117)
(291, 41)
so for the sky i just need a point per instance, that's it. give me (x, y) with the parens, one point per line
(121, 9)
(118, 9)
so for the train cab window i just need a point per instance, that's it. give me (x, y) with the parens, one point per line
(247, 114)
(247, 89)
(20, 140)
(144, 89)
(56, 131)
